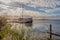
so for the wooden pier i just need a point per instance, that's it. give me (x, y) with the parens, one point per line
(51, 33)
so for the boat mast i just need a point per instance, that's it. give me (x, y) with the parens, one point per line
(22, 13)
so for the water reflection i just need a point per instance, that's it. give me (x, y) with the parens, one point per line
(28, 24)
(38, 27)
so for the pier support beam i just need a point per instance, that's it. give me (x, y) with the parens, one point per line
(50, 32)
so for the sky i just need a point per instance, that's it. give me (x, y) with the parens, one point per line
(48, 7)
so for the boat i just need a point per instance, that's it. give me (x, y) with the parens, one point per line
(25, 20)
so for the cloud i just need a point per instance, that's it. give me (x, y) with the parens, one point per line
(24, 6)
(48, 6)
(1, 9)
(5, 1)
(52, 10)
(45, 7)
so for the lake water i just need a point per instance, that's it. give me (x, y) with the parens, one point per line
(45, 25)
(41, 26)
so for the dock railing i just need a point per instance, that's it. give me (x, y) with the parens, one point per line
(51, 33)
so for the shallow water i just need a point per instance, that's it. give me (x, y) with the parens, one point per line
(45, 25)
(40, 26)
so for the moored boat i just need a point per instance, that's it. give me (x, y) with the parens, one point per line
(25, 20)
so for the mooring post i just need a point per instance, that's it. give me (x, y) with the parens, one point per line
(50, 32)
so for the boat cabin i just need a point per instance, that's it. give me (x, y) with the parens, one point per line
(25, 20)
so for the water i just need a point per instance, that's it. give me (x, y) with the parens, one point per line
(44, 25)
(40, 27)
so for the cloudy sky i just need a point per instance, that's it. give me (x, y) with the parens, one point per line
(46, 7)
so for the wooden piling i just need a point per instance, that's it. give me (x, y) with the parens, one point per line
(50, 32)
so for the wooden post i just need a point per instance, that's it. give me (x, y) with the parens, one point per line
(0, 37)
(50, 32)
